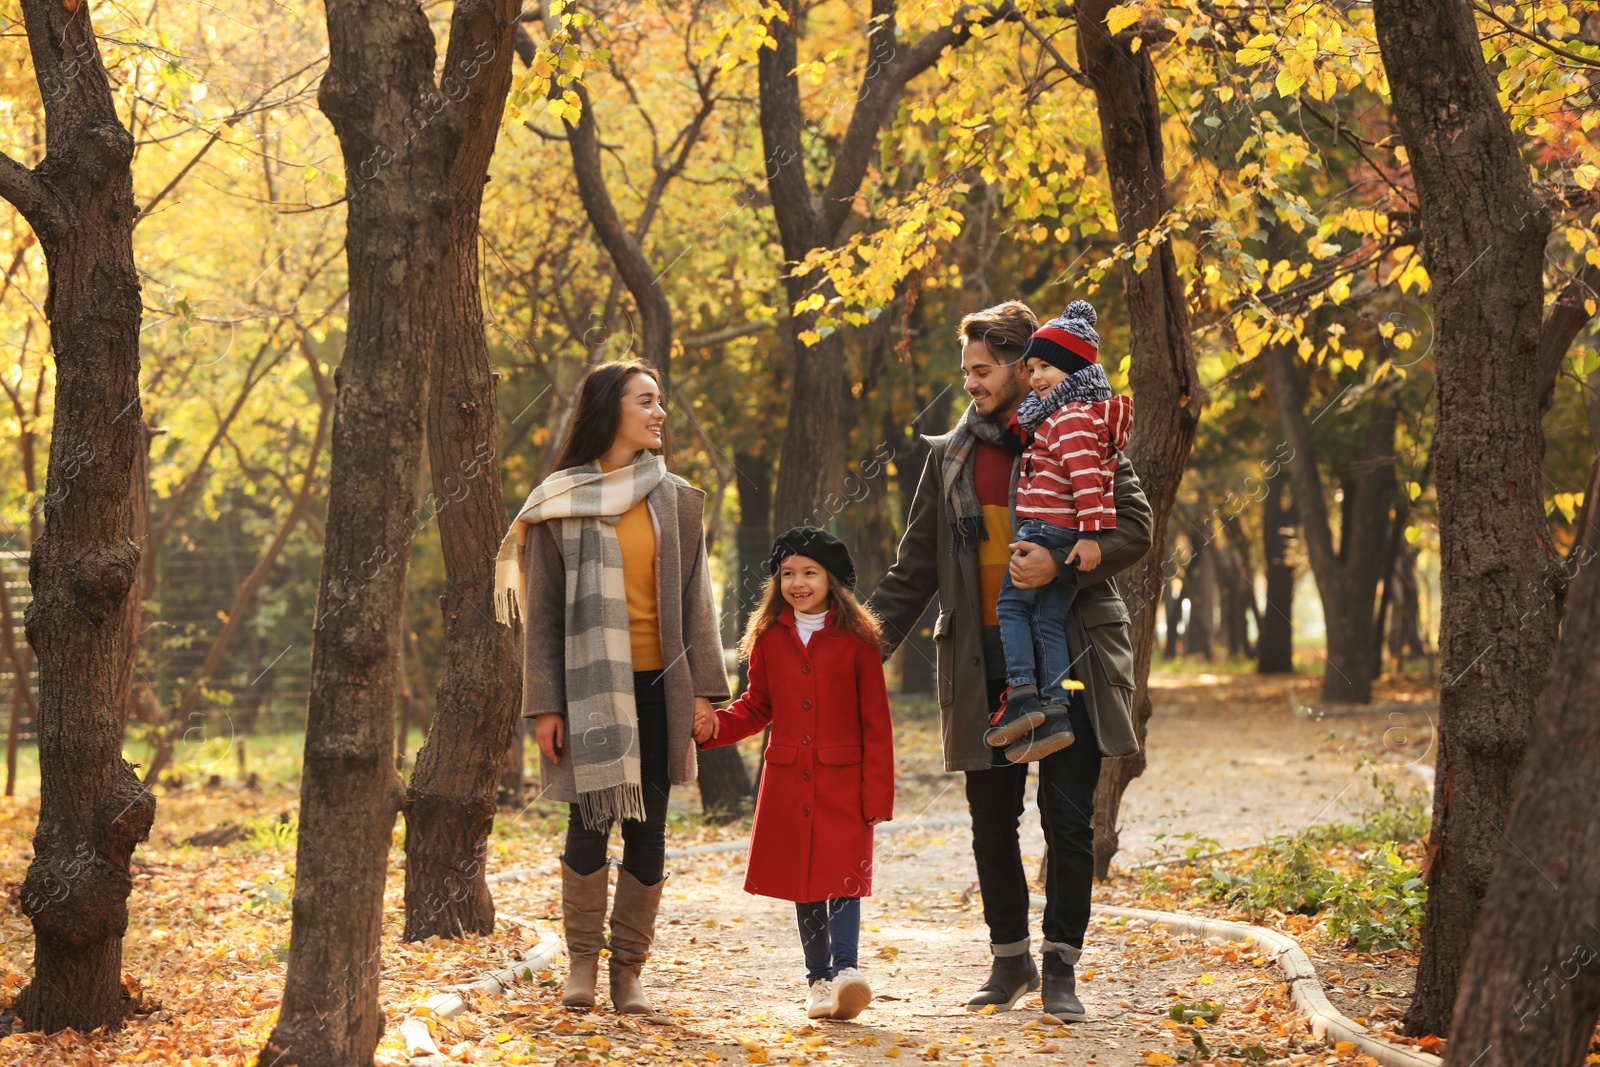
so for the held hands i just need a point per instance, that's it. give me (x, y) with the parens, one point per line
(1087, 553)
(706, 723)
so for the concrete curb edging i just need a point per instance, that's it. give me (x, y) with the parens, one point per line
(421, 1050)
(1327, 1024)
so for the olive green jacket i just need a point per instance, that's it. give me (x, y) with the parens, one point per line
(925, 566)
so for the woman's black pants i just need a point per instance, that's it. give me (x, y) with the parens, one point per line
(644, 843)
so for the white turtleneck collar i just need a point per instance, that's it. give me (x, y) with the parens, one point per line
(806, 624)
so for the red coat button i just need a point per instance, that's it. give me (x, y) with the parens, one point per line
(806, 703)
(806, 740)
(806, 811)
(805, 776)
(805, 668)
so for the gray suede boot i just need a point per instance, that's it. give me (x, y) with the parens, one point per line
(1060, 995)
(633, 930)
(1012, 976)
(583, 916)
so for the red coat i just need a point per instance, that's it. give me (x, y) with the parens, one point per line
(829, 766)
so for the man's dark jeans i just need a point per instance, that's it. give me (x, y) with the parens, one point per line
(1066, 806)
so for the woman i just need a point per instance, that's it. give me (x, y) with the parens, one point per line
(622, 653)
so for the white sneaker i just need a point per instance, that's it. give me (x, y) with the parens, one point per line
(820, 1004)
(851, 994)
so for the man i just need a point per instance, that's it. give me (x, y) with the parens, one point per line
(958, 544)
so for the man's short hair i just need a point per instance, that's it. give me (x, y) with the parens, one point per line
(1004, 329)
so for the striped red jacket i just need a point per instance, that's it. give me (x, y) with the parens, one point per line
(1068, 468)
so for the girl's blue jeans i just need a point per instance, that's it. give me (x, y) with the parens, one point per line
(830, 932)
(1033, 622)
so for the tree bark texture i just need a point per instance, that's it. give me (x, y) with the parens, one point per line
(811, 465)
(1235, 591)
(1530, 987)
(399, 137)
(1484, 232)
(1347, 576)
(133, 608)
(1199, 589)
(450, 799)
(1568, 316)
(1166, 387)
(93, 811)
(654, 339)
(1275, 635)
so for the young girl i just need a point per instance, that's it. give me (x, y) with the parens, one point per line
(816, 675)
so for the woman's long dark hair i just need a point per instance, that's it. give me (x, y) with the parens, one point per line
(599, 412)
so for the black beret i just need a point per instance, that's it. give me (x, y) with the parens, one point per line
(815, 544)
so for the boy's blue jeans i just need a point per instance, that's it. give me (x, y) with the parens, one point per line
(830, 933)
(1033, 622)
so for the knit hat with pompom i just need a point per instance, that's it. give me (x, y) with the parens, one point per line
(1070, 341)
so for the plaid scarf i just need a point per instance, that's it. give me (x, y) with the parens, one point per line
(1088, 385)
(966, 514)
(602, 721)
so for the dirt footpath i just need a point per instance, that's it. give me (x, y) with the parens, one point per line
(1240, 759)
(1229, 759)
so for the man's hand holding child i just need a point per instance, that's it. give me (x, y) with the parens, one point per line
(1087, 553)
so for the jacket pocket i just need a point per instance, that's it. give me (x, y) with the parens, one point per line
(780, 754)
(941, 660)
(839, 755)
(1105, 620)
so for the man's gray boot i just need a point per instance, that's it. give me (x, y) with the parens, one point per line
(1012, 976)
(1060, 994)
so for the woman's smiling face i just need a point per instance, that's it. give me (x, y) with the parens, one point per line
(642, 415)
(804, 584)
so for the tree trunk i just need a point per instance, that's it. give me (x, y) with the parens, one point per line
(512, 785)
(1528, 991)
(1275, 636)
(1405, 632)
(22, 703)
(139, 533)
(724, 779)
(1199, 588)
(1162, 374)
(1347, 577)
(379, 86)
(1568, 316)
(1483, 225)
(1172, 601)
(1234, 592)
(811, 466)
(450, 799)
(93, 811)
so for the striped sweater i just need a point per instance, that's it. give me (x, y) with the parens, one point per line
(1068, 468)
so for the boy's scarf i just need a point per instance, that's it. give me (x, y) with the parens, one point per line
(961, 489)
(1088, 385)
(602, 721)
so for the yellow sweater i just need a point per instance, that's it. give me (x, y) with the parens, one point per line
(636, 532)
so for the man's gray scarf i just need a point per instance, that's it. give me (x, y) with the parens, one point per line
(966, 514)
(1088, 385)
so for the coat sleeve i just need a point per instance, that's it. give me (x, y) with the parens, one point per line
(544, 624)
(877, 736)
(702, 634)
(1126, 543)
(751, 713)
(909, 587)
